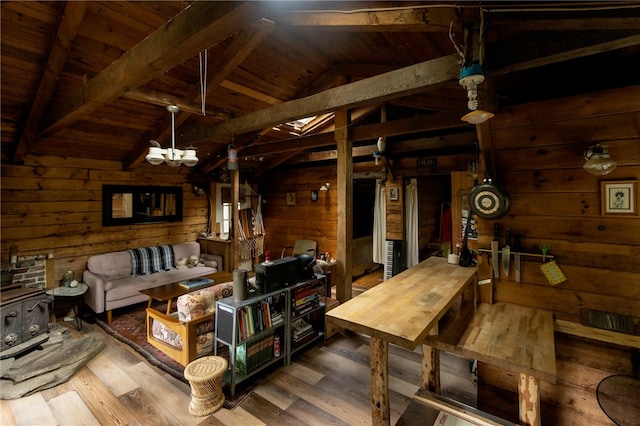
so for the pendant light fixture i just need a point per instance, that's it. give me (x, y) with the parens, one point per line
(470, 77)
(599, 162)
(381, 145)
(172, 156)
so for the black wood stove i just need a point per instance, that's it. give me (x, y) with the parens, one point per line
(25, 317)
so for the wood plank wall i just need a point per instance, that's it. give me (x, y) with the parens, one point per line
(313, 220)
(317, 220)
(538, 155)
(54, 205)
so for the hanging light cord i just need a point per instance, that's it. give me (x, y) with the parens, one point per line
(203, 79)
(451, 35)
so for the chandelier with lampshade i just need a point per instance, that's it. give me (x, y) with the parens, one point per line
(173, 156)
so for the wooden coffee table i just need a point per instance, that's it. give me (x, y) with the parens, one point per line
(169, 292)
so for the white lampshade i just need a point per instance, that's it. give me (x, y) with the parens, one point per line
(173, 157)
(190, 159)
(155, 156)
(600, 164)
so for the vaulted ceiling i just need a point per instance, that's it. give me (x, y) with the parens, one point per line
(93, 79)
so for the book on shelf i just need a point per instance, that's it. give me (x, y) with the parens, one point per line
(277, 318)
(195, 282)
(250, 356)
(300, 328)
(255, 318)
(301, 341)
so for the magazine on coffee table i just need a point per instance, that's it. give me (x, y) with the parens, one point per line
(196, 282)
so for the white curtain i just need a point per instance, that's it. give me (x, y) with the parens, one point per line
(411, 222)
(380, 225)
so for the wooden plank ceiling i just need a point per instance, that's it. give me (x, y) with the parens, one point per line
(93, 79)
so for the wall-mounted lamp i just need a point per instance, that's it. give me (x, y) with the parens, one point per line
(199, 191)
(325, 186)
(174, 157)
(599, 162)
(470, 77)
(13, 255)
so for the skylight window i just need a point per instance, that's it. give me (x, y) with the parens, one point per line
(300, 123)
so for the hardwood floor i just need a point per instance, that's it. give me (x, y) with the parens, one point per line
(328, 384)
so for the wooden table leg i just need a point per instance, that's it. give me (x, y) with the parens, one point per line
(380, 409)
(529, 399)
(169, 306)
(430, 369)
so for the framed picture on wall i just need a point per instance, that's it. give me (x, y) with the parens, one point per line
(393, 193)
(619, 197)
(291, 198)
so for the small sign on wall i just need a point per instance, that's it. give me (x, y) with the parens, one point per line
(291, 198)
(393, 193)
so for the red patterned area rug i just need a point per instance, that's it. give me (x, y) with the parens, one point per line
(128, 326)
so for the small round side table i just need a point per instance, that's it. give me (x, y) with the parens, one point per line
(205, 377)
(69, 297)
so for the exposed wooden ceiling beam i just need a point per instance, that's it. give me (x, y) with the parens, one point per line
(163, 99)
(274, 162)
(416, 124)
(576, 47)
(399, 147)
(528, 22)
(402, 19)
(402, 82)
(69, 22)
(197, 27)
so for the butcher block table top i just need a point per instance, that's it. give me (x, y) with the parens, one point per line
(513, 337)
(403, 309)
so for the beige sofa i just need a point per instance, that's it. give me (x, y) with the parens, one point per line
(115, 279)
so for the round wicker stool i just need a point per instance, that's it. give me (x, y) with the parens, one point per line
(205, 377)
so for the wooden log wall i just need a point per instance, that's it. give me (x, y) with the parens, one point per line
(54, 205)
(307, 219)
(318, 220)
(537, 151)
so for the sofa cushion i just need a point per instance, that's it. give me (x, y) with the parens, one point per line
(114, 265)
(166, 335)
(204, 340)
(201, 302)
(184, 250)
(147, 260)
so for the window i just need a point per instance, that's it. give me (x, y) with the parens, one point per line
(225, 225)
(224, 214)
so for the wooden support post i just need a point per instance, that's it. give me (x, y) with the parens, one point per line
(380, 408)
(344, 191)
(529, 399)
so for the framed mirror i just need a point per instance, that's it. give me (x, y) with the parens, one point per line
(129, 204)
